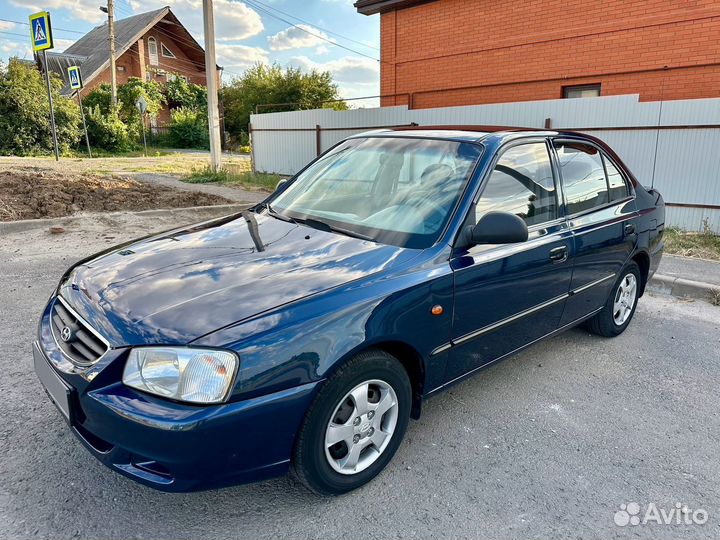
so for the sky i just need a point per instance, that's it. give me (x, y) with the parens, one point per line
(246, 32)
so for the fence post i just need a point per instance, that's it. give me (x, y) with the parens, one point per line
(318, 140)
(251, 138)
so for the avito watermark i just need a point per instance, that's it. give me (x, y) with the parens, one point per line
(632, 514)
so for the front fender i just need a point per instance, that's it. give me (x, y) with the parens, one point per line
(305, 342)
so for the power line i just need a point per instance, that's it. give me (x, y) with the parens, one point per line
(54, 27)
(271, 14)
(316, 26)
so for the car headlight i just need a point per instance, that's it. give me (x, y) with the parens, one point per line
(181, 373)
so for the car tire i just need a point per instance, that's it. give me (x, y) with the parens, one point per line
(366, 440)
(621, 304)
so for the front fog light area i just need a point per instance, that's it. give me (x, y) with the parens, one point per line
(181, 373)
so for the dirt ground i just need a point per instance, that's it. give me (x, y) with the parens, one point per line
(31, 193)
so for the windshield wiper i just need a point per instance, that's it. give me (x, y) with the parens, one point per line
(274, 213)
(321, 225)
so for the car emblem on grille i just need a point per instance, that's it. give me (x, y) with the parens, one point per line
(66, 334)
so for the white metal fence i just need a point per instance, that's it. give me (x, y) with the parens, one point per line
(672, 145)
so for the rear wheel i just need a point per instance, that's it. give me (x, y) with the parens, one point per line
(620, 306)
(355, 425)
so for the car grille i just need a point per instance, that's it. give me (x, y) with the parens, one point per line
(80, 343)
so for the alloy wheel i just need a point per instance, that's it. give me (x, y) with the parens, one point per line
(361, 427)
(625, 298)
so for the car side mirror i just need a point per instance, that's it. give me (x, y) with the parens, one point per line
(499, 228)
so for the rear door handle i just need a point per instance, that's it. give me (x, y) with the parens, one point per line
(559, 254)
(629, 228)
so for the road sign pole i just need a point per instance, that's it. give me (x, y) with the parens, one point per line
(82, 114)
(142, 121)
(52, 110)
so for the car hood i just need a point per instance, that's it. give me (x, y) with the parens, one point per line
(176, 287)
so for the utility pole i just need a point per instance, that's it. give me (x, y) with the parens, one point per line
(212, 85)
(111, 39)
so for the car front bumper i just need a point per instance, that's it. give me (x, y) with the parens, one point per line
(173, 446)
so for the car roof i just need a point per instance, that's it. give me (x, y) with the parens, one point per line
(470, 133)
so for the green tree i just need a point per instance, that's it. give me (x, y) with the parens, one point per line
(106, 132)
(25, 111)
(181, 93)
(267, 85)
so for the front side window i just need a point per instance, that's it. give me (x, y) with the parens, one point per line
(583, 176)
(522, 183)
(393, 190)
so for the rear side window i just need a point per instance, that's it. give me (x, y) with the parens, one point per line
(522, 183)
(616, 182)
(583, 176)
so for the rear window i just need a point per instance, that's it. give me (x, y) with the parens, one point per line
(583, 176)
(616, 181)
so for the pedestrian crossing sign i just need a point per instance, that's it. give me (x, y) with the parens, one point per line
(40, 31)
(75, 78)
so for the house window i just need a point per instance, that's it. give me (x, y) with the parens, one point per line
(153, 51)
(167, 53)
(585, 90)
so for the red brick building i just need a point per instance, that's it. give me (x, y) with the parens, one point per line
(439, 53)
(152, 46)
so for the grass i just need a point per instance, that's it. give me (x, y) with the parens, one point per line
(704, 245)
(247, 179)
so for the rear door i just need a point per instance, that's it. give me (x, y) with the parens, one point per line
(507, 296)
(601, 214)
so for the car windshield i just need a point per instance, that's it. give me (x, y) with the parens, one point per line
(393, 190)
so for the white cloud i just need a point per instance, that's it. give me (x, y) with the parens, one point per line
(240, 56)
(10, 48)
(233, 20)
(6, 25)
(349, 69)
(86, 10)
(62, 44)
(297, 37)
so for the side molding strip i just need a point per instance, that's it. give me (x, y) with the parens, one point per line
(517, 316)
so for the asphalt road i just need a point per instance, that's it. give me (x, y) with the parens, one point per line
(547, 444)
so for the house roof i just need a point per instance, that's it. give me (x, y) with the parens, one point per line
(92, 53)
(370, 7)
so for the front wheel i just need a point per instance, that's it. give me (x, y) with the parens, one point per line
(620, 306)
(355, 425)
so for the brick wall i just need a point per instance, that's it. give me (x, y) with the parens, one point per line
(459, 52)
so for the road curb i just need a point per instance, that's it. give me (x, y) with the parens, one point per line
(199, 212)
(683, 288)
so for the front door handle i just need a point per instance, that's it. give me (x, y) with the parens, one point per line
(559, 254)
(629, 228)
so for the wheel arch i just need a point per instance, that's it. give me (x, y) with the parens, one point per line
(403, 352)
(642, 259)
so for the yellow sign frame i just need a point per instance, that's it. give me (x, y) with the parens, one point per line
(40, 22)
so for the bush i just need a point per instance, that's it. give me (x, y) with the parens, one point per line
(25, 112)
(189, 129)
(109, 131)
(181, 93)
(106, 130)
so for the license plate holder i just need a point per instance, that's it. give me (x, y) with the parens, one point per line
(57, 389)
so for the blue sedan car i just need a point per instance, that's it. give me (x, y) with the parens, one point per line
(305, 332)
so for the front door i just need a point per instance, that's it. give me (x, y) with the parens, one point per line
(507, 296)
